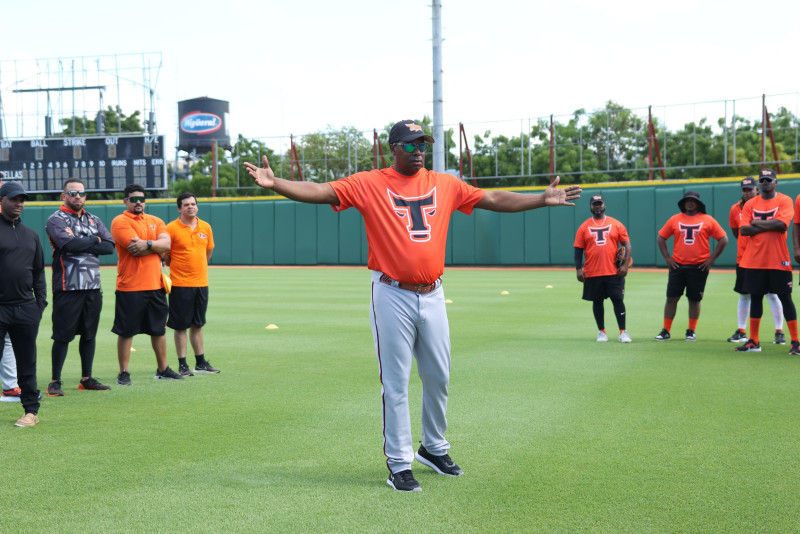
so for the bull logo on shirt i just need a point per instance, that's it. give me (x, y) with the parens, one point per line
(689, 232)
(416, 211)
(600, 235)
(765, 215)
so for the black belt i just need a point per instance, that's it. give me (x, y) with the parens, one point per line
(415, 288)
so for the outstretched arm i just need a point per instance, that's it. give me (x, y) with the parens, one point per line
(508, 202)
(310, 192)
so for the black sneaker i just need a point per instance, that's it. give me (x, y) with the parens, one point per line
(404, 481)
(780, 338)
(124, 379)
(184, 370)
(167, 374)
(738, 337)
(690, 336)
(54, 389)
(663, 336)
(205, 367)
(795, 348)
(750, 346)
(91, 384)
(441, 464)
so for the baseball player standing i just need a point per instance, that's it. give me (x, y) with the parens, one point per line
(191, 249)
(766, 264)
(407, 211)
(743, 307)
(599, 237)
(692, 230)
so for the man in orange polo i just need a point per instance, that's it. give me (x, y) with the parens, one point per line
(192, 246)
(141, 306)
(692, 230)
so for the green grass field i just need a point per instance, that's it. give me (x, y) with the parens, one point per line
(555, 432)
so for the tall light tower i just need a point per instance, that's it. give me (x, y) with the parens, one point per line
(438, 100)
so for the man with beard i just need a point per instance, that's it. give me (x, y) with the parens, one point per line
(599, 237)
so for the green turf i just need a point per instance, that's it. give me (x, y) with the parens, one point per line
(555, 432)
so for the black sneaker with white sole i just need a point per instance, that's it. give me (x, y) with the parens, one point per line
(184, 370)
(691, 336)
(205, 367)
(441, 464)
(738, 337)
(404, 481)
(780, 338)
(167, 374)
(662, 336)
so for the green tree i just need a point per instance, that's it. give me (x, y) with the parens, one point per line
(114, 119)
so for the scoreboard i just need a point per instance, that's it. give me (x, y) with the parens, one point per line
(103, 163)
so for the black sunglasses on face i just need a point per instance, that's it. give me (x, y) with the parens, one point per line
(136, 200)
(765, 180)
(76, 193)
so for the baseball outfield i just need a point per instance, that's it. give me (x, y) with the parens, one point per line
(555, 432)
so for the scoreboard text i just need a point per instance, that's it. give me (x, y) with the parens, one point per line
(106, 163)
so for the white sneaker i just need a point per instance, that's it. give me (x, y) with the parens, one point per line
(624, 337)
(601, 336)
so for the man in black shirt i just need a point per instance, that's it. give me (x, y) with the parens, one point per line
(23, 293)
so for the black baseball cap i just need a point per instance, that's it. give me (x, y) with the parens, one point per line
(693, 195)
(767, 173)
(749, 183)
(12, 190)
(597, 198)
(408, 130)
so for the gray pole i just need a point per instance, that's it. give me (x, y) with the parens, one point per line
(438, 115)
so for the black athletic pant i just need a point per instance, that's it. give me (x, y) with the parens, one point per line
(21, 322)
(599, 313)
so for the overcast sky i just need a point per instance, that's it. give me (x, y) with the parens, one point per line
(301, 66)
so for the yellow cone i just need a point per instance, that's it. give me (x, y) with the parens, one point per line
(272, 327)
(549, 287)
(504, 292)
(448, 301)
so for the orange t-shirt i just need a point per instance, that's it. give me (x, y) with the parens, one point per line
(692, 235)
(188, 266)
(768, 250)
(600, 241)
(735, 222)
(137, 273)
(406, 218)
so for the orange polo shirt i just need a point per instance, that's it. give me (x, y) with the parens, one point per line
(137, 273)
(188, 266)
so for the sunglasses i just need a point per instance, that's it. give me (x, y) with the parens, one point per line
(77, 193)
(411, 147)
(136, 200)
(765, 180)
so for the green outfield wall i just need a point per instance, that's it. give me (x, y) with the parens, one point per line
(268, 231)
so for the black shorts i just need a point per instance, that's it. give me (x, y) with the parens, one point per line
(763, 281)
(140, 312)
(187, 307)
(76, 313)
(739, 284)
(689, 277)
(603, 287)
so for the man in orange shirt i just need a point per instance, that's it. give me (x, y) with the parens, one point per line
(599, 237)
(749, 191)
(766, 261)
(407, 211)
(692, 230)
(141, 306)
(188, 257)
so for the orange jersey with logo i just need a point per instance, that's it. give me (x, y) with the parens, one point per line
(188, 266)
(406, 218)
(768, 250)
(735, 222)
(692, 235)
(600, 241)
(137, 273)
